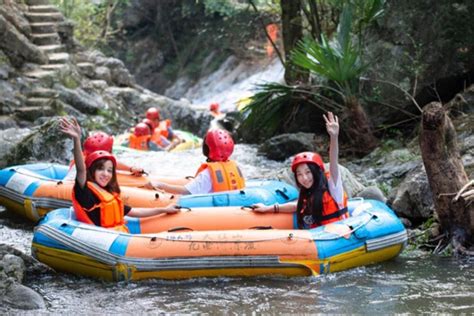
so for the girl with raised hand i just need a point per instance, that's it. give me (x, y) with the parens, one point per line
(96, 193)
(322, 199)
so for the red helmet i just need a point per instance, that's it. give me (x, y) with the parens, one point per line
(150, 123)
(307, 157)
(142, 129)
(153, 114)
(220, 143)
(100, 154)
(214, 107)
(98, 141)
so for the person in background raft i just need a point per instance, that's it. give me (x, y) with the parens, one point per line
(214, 110)
(322, 199)
(100, 141)
(217, 174)
(96, 193)
(140, 139)
(162, 129)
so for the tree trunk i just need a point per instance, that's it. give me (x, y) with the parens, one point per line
(292, 32)
(358, 128)
(446, 175)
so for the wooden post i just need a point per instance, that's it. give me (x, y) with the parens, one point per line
(446, 175)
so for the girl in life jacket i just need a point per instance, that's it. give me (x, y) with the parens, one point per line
(217, 174)
(322, 199)
(96, 193)
(101, 141)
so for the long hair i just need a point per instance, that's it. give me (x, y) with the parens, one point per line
(310, 201)
(205, 149)
(112, 186)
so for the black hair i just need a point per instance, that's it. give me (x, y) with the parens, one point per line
(205, 149)
(112, 186)
(311, 200)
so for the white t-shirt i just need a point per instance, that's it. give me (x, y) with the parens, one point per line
(202, 184)
(336, 190)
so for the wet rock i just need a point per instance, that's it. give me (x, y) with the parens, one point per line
(22, 297)
(285, 145)
(9, 138)
(44, 144)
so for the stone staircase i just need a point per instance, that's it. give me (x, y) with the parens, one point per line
(44, 19)
(39, 102)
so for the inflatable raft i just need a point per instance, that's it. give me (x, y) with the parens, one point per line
(190, 141)
(35, 189)
(372, 234)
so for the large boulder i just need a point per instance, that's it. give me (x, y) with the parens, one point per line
(17, 46)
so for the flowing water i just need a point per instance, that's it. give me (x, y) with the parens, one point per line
(411, 283)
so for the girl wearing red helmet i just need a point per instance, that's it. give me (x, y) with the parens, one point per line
(100, 141)
(322, 199)
(162, 129)
(217, 174)
(96, 193)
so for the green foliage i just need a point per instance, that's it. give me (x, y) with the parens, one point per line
(221, 7)
(339, 63)
(89, 18)
(268, 110)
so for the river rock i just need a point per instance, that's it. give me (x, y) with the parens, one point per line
(413, 198)
(9, 138)
(22, 297)
(285, 145)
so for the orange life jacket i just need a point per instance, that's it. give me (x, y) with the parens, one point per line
(331, 212)
(111, 208)
(138, 142)
(157, 138)
(225, 176)
(162, 128)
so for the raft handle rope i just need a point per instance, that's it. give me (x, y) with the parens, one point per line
(179, 207)
(248, 207)
(283, 194)
(261, 227)
(175, 229)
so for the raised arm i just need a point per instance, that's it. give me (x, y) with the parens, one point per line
(332, 127)
(71, 127)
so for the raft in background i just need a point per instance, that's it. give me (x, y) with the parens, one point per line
(191, 141)
(372, 234)
(33, 190)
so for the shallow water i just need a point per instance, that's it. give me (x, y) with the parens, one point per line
(412, 283)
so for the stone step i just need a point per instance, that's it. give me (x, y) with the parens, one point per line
(50, 49)
(45, 8)
(40, 74)
(37, 102)
(52, 67)
(43, 17)
(45, 39)
(44, 27)
(42, 93)
(58, 58)
(37, 2)
(33, 112)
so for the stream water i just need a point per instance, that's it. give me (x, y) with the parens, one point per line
(411, 283)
